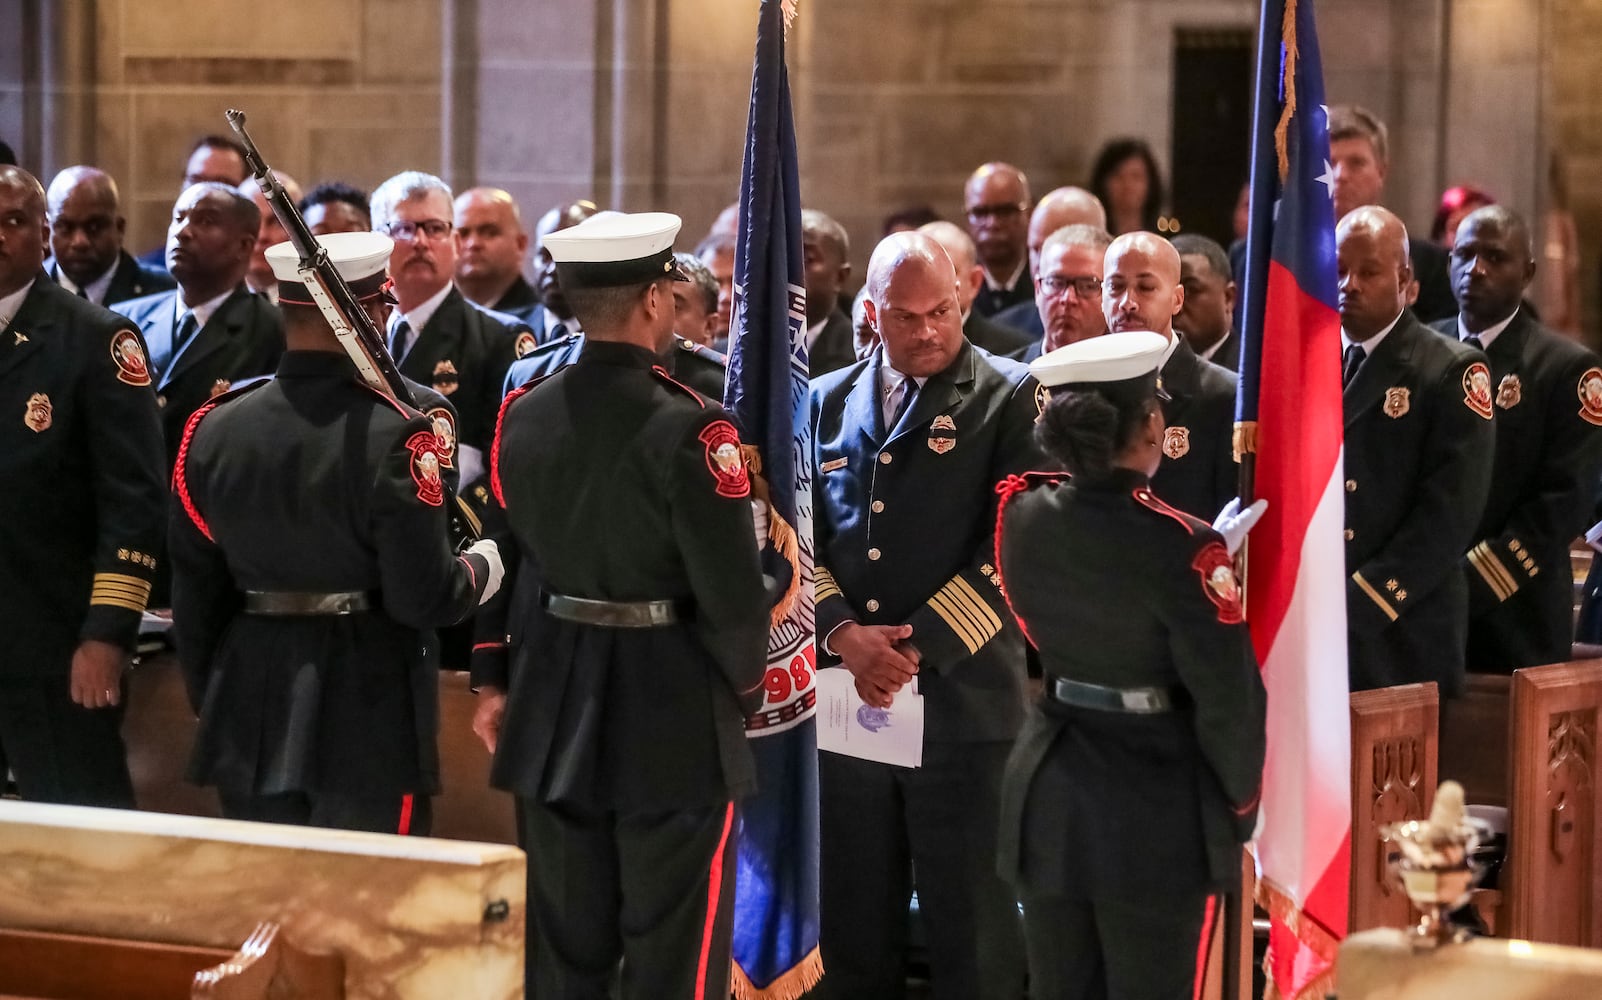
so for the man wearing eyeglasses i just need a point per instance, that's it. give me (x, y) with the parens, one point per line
(996, 200)
(86, 233)
(1068, 289)
(437, 336)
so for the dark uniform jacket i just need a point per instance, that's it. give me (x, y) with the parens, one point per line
(1116, 588)
(835, 347)
(314, 483)
(1419, 450)
(521, 301)
(1228, 353)
(1198, 474)
(904, 520)
(81, 515)
(697, 366)
(1548, 455)
(990, 301)
(131, 279)
(620, 484)
(242, 339)
(1024, 317)
(995, 337)
(463, 352)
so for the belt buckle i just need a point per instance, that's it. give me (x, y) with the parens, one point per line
(1140, 700)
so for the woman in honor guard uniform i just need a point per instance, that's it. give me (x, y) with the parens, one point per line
(1136, 777)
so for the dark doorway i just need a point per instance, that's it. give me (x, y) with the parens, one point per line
(1211, 128)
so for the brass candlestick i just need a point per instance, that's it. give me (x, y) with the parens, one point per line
(1432, 860)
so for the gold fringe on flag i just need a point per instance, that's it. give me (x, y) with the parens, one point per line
(1282, 130)
(1282, 909)
(789, 986)
(782, 535)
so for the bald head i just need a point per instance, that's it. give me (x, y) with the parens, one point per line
(91, 184)
(1065, 206)
(1141, 288)
(491, 244)
(86, 224)
(546, 284)
(912, 302)
(959, 246)
(1506, 223)
(23, 230)
(1371, 261)
(996, 200)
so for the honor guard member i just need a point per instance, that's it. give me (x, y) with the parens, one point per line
(1142, 291)
(1152, 720)
(1419, 450)
(311, 559)
(908, 447)
(688, 360)
(637, 638)
(80, 518)
(1548, 451)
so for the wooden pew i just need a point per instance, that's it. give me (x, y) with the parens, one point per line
(1551, 884)
(1395, 750)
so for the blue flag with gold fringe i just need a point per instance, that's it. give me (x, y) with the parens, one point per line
(776, 889)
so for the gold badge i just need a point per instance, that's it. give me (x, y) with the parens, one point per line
(1396, 402)
(1176, 442)
(445, 378)
(942, 434)
(943, 423)
(1591, 396)
(525, 343)
(1477, 389)
(219, 387)
(37, 413)
(1509, 392)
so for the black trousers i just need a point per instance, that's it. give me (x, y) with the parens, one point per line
(408, 815)
(880, 825)
(62, 752)
(654, 891)
(1083, 949)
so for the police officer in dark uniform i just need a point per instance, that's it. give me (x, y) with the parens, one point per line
(80, 518)
(638, 629)
(1136, 777)
(1141, 290)
(908, 447)
(1548, 451)
(1419, 450)
(310, 560)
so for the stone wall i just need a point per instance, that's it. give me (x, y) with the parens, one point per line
(1572, 119)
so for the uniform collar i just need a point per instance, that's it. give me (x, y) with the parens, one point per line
(1370, 345)
(12, 304)
(95, 291)
(1488, 334)
(614, 352)
(1119, 480)
(315, 364)
(422, 312)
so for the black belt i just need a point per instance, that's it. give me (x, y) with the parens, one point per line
(614, 614)
(1136, 701)
(289, 602)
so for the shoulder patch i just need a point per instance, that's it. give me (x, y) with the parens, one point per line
(129, 355)
(525, 343)
(1477, 394)
(724, 461)
(1218, 581)
(1590, 390)
(425, 465)
(445, 431)
(1147, 499)
(662, 375)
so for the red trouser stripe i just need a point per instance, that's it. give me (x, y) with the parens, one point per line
(1204, 949)
(713, 891)
(406, 816)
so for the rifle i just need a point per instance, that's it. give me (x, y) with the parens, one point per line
(355, 329)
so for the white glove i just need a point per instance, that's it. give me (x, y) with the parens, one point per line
(759, 517)
(1233, 523)
(485, 548)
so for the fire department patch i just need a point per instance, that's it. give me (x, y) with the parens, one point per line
(1510, 392)
(445, 378)
(1218, 582)
(1591, 396)
(723, 459)
(1397, 402)
(424, 446)
(445, 431)
(525, 343)
(129, 355)
(1176, 442)
(1477, 389)
(36, 415)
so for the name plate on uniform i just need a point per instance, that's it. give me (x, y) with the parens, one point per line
(848, 725)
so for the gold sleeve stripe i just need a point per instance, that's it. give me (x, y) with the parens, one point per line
(824, 585)
(138, 607)
(969, 597)
(1384, 605)
(959, 623)
(1496, 576)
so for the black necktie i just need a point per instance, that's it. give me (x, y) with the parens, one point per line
(398, 339)
(1353, 360)
(186, 331)
(909, 390)
(83, 293)
(1474, 341)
